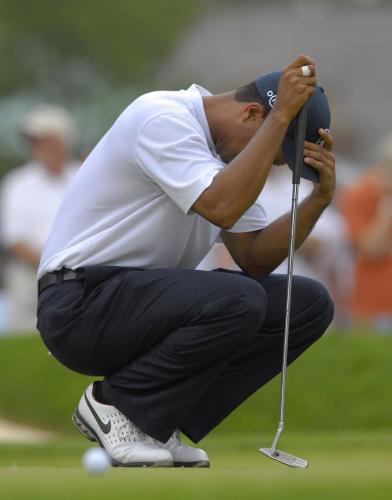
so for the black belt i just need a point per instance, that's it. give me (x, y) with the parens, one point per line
(57, 277)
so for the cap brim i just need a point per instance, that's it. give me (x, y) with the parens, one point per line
(307, 172)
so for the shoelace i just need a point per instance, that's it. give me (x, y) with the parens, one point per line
(127, 429)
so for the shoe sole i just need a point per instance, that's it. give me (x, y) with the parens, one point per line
(200, 464)
(90, 434)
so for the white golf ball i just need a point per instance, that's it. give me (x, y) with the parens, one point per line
(96, 461)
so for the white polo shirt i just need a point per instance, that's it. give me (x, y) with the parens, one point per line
(130, 202)
(30, 199)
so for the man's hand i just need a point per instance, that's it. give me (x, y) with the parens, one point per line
(294, 88)
(322, 159)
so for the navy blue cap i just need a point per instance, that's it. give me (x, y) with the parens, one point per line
(318, 116)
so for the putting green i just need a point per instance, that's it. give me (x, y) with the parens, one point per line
(342, 466)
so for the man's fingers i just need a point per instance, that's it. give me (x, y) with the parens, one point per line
(316, 154)
(328, 139)
(294, 77)
(320, 160)
(311, 68)
(301, 60)
(309, 90)
(325, 168)
(318, 165)
(320, 154)
(312, 146)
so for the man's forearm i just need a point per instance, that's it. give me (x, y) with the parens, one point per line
(239, 184)
(270, 247)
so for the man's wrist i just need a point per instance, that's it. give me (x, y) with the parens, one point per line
(319, 201)
(281, 115)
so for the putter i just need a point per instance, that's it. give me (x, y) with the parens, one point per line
(275, 454)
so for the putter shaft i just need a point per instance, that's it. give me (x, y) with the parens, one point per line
(288, 310)
(299, 148)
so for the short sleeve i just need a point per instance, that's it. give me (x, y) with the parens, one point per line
(172, 150)
(254, 219)
(15, 223)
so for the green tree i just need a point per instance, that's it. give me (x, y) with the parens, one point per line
(122, 39)
(93, 56)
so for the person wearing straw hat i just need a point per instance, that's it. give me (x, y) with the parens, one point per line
(31, 195)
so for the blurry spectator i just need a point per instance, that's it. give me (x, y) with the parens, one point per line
(3, 296)
(367, 206)
(31, 195)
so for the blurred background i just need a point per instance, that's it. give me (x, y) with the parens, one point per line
(70, 67)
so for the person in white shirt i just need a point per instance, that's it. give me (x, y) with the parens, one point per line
(30, 197)
(120, 297)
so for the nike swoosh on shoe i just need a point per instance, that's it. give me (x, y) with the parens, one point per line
(105, 428)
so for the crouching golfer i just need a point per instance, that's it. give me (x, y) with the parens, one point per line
(119, 295)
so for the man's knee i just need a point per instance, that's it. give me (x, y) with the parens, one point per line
(322, 300)
(327, 306)
(244, 300)
(252, 302)
(316, 302)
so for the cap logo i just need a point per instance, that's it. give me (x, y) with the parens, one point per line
(272, 98)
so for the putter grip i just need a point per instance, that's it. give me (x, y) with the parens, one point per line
(300, 131)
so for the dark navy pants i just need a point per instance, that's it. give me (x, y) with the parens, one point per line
(179, 348)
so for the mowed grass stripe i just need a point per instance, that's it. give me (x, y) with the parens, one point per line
(340, 383)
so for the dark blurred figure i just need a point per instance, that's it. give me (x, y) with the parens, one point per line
(367, 206)
(31, 196)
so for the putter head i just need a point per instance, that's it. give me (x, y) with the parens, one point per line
(285, 458)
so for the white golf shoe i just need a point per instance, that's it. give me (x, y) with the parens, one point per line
(183, 455)
(126, 444)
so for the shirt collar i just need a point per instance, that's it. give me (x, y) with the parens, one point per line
(197, 92)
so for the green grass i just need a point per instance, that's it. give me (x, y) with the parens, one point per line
(342, 466)
(342, 382)
(35, 388)
(339, 412)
